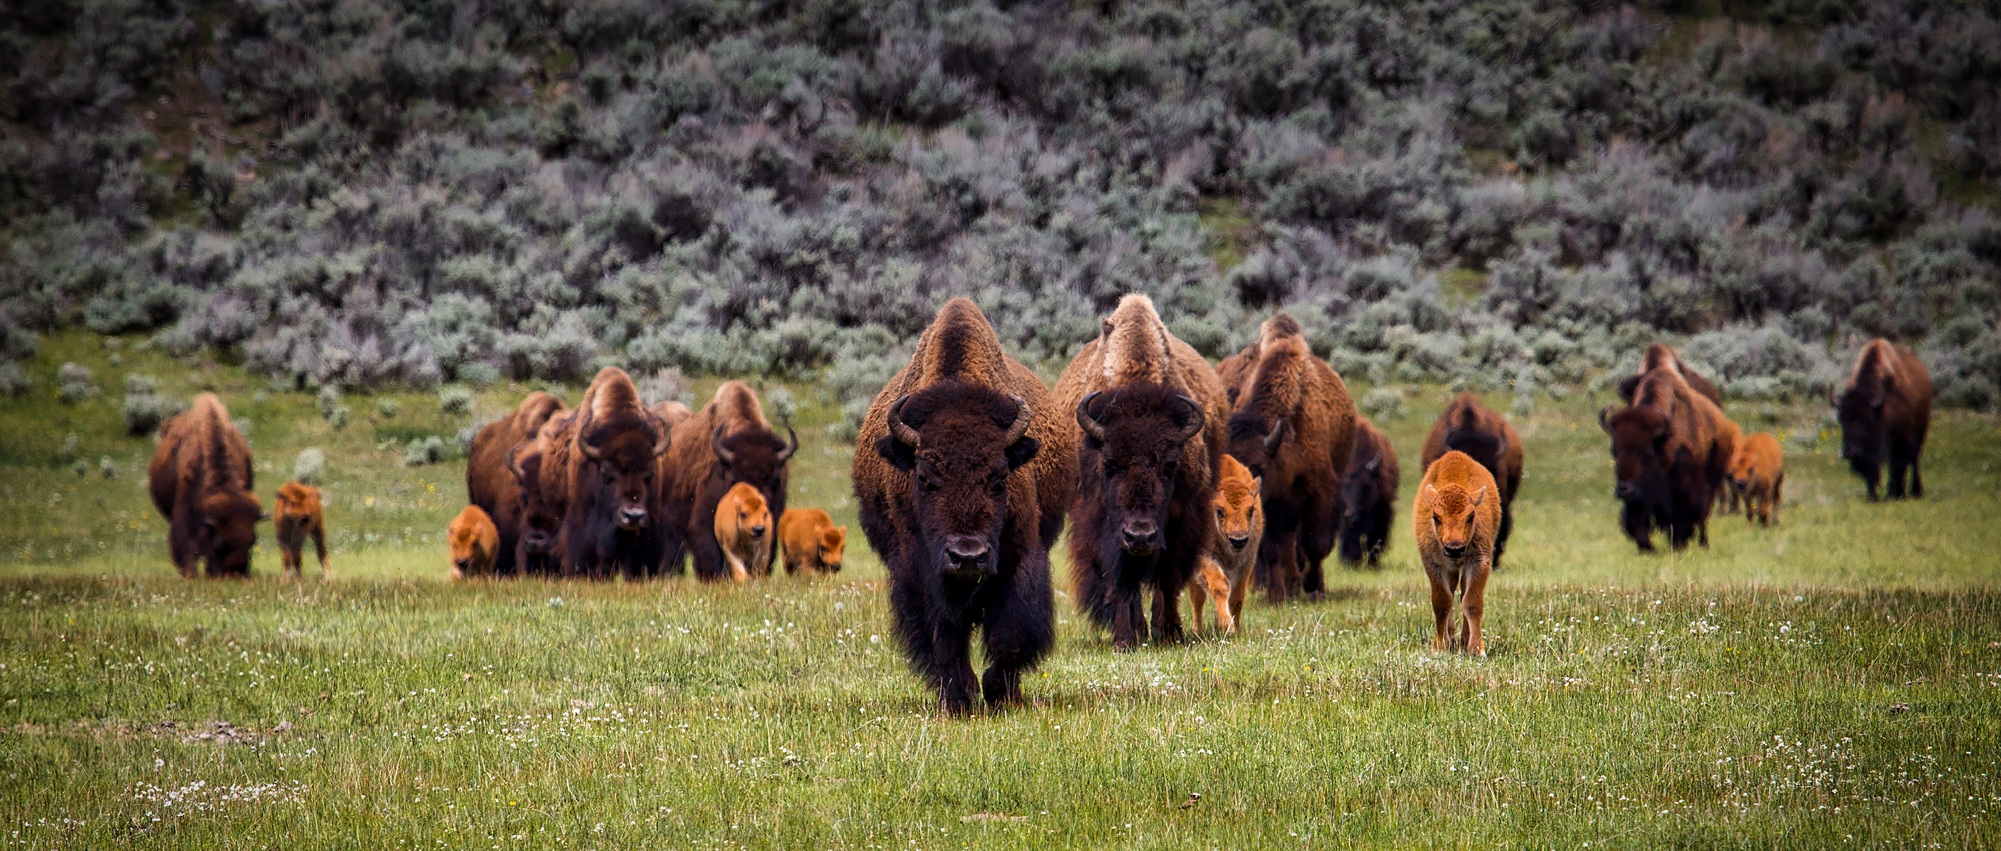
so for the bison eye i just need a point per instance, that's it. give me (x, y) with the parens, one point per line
(606, 475)
(1219, 512)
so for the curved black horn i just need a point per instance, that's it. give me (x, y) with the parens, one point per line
(1088, 423)
(716, 445)
(1021, 418)
(1197, 419)
(584, 428)
(791, 445)
(897, 427)
(1276, 437)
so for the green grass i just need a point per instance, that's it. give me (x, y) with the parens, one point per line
(1835, 679)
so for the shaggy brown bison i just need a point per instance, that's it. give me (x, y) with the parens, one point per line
(300, 516)
(1663, 356)
(474, 543)
(201, 481)
(743, 532)
(1233, 551)
(1758, 472)
(1147, 415)
(1294, 427)
(962, 470)
(491, 482)
(812, 542)
(1455, 520)
(544, 499)
(725, 443)
(1885, 411)
(1669, 456)
(1368, 496)
(1481, 432)
(608, 456)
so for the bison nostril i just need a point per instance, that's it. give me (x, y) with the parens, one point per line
(1239, 542)
(965, 551)
(757, 531)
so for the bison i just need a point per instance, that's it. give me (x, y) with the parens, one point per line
(812, 542)
(1225, 574)
(1758, 472)
(201, 481)
(1294, 428)
(1663, 356)
(544, 500)
(1481, 432)
(725, 443)
(300, 516)
(1670, 453)
(608, 457)
(474, 542)
(962, 471)
(742, 527)
(1885, 411)
(1147, 415)
(493, 484)
(1368, 496)
(1456, 521)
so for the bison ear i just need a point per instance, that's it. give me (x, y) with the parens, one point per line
(900, 455)
(1257, 484)
(1479, 496)
(1605, 418)
(1022, 451)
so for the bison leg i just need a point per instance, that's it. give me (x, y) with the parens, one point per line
(1476, 611)
(1773, 499)
(1441, 612)
(1166, 614)
(320, 549)
(951, 659)
(1019, 629)
(1501, 536)
(1897, 467)
(1638, 526)
(1917, 481)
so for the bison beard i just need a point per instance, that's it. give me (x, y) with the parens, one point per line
(1140, 520)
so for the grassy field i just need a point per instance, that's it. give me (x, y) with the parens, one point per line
(1834, 680)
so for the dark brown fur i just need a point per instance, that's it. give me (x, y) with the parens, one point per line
(1483, 434)
(1368, 496)
(491, 482)
(1886, 411)
(1659, 356)
(201, 480)
(1667, 461)
(612, 447)
(698, 477)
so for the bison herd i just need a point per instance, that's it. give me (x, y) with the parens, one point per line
(1172, 475)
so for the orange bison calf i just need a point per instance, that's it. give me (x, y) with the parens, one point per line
(812, 542)
(1224, 574)
(1458, 511)
(475, 543)
(743, 520)
(299, 517)
(1758, 471)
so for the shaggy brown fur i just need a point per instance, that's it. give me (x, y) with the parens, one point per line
(1368, 496)
(607, 458)
(970, 548)
(474, 543)
(1663, 356)
(201, 480)
(743, 532)
(544, 499)
(1225, 574)
(1670, 452)
(490, 480)
(812, 542)
(1758, 471)
(1143, 514)
(1454, 520)
(1886, 411)
(299, 517)
(1294, 427)
(698, 476)
(1481, 432)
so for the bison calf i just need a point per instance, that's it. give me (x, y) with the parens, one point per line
(812, 542)
(300, 517)
(1224, 574)
(743, 523)
(1758, 473)
(1458, 511)
(474, 542)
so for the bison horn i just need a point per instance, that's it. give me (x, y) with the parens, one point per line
(723, 453)
(1021, 418)
(1605, 418)
(1196, 420)
(1276, 437)
(514, 463)
(665, 439)
(1088, 423)
(791, 446)
(897, 427)
(590, 449)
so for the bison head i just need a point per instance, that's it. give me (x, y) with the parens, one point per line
(229, 531)
(753, 514)
(1453, 518)
(1237, 505)
(621, 455)
(833, 542)
(1864, 439)
(754, 456)
(1255, 441)
(1134, 435)
(1640, 458)
(959, 443)
(541, 507)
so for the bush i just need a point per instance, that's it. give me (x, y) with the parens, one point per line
(14, 381)
(426, 450)
(144, 409)
(73, 384)
(1382, 403)
(387, 408)
(310, 467)
(455, 401)
(107, 467)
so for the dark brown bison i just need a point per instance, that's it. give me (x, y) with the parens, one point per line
(725, 443)
(1885, 410)
(1294, 427)
(1368, 496)
(491, 482)
(1483, 434)
(962, 471)
(1663, 356)
(1147, 416)
(609, 456)
(544, 499)
(201, 481)
(1668, 459)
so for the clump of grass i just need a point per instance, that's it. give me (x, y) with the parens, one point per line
(144, 408)
(14, 380)
(73, 384)
(455, 400)
(1382, 403)
(426, 450)
(387, 409)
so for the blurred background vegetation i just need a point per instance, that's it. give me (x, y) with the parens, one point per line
(1496, 193)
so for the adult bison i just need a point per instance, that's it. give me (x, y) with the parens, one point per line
(608, 456)
(725, 443)
(491, 482)
(545, 499)
(1885, 410)
(1294, 427)
(1148, 416)
(1663, 356)
(962, 471)
(1668, 457)
(1368, 496)
(1485, 436)
(201, 481)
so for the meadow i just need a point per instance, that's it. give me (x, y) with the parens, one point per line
(1833, 680)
